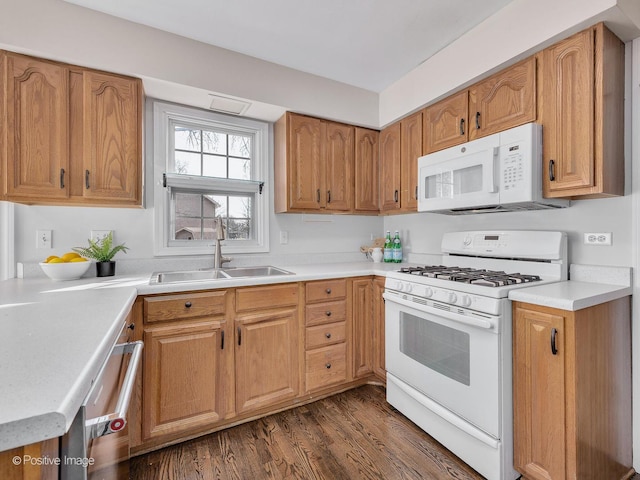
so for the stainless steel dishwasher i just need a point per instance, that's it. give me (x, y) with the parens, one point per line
(97, 443)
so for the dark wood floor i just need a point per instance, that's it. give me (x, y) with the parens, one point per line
(353, 435)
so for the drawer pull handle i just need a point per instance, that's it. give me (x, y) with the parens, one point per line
(552, 174)
(554, 348)
(318, 196)
(328, 365)
(187, 304)
(86, 180)
(478, 120)
(239, 336)
(395, 196)
(222, 340)
(328, 290)
(328, 313)
(62, 178)
(328, 196)
(328, 335)
(462, 126)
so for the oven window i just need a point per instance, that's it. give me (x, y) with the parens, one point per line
(440, 348)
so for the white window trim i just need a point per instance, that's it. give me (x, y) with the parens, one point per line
(162, 115)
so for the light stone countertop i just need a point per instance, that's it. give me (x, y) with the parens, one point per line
(589, 285)
(55, 336)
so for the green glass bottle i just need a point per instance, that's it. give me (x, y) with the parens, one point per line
(388, 248)
(397, 248)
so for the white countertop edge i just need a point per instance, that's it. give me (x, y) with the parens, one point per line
(570, 295)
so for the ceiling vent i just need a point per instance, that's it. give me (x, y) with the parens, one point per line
(228, 105)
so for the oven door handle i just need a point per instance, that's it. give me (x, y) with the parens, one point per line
(472, 322)
(116, 421)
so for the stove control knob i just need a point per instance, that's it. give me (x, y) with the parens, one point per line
(428, 292)
(399, 286)
(467, 240)
(465, 301)
(451, 297)
(408, 288)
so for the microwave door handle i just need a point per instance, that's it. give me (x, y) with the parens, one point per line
(492, 181)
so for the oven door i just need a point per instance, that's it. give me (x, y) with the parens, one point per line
(451, 358)
(454, 179)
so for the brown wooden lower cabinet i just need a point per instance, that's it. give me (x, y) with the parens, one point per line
(219, 357)
(25, 468)
(572, 391)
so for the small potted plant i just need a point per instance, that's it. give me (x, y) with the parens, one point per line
(102, 251)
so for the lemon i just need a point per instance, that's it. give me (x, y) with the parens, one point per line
(67, 257)
(78, 259)
(50, 257)
(56, 260)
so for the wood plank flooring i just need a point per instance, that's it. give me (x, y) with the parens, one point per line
(353, 435)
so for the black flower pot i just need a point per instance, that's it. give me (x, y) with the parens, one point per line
(106, 269)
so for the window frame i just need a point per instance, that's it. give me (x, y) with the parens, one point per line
(164, 116)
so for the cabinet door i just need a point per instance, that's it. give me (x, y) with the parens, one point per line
(539, 394)
(367, 170)
(111, 122)
(445, 123)
(378, 329)
(362, 315)
(303, 158)
(410, 150)
(390, 168)
(567, 113)
(504, 100)
(266, 358)
(36, 128)
(182, 379)
(338, 166)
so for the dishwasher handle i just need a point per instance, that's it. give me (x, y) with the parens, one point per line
(116, 421)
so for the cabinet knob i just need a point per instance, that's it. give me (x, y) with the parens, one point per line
(328, 335)
(131, 326)
(328, 290)
(328, 313)
(187, 304)
(328, 365)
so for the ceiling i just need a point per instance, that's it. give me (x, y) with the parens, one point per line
(365, 43)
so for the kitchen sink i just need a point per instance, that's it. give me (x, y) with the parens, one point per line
(206, 275)
(264, 271)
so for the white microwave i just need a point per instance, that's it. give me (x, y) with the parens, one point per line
(497, 173)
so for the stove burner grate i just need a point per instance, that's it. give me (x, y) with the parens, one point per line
(489, 278)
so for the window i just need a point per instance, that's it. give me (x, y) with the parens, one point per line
(209, 165)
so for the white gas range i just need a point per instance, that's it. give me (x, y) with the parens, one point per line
(448, 339)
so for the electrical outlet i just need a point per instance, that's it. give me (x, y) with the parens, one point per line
(284, 237)
(598, 238)
(98, 235)
(43, 239)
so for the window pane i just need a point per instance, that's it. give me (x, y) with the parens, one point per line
(239, 229)
(188, 223)
(239, 146)
(214, 142)
(188, 163)
(221, 204)
(214, 166)
(240, 207)
(187, 139)
(240, 168)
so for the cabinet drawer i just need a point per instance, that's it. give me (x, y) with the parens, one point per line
(322, 335)
(326, 366)
(190, 305)
(327, 312)
(326, 290)
(271, 296)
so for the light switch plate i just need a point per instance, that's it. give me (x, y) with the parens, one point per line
(98, 235)
(43, 239)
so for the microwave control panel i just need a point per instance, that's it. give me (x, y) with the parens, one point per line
(512, 165)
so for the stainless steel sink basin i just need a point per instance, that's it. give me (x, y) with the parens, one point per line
(205, 275)
(264, 271)
(186, 276)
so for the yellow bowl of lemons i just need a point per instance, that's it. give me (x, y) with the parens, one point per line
(69, 266)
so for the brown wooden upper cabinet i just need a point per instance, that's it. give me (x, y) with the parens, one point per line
(313, 165)
(504, 100)
(367, 170)
(72, 135)
(582, 114)
(400, 147)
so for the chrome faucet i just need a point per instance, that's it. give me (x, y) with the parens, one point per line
(218, 259)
